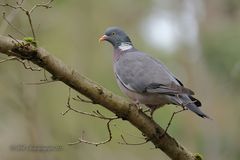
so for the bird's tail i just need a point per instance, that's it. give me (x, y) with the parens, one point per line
(195, 109)
(192, 104)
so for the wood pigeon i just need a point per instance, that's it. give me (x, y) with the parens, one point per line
(144, 79)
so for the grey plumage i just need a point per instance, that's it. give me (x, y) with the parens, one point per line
(146, 80)
(145, 74)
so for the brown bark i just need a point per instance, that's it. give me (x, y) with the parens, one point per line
(99, 95)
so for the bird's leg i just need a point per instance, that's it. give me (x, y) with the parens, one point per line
(137, 104)
(151, 109)
(171, 119)
(147, 110)
(151, 112)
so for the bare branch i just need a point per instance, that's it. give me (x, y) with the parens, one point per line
(119, 106)
(95, 114)
(68, 102)
(81, 140)
(10, 24)
(39, 83)
(130, 134)
(7, 59)
(8, 5)
(13, 7)
(31, 26)
(45, 76)
(93, 91)
(91, 114)
(83, 100)
(14, 39)
(44, 5)
(20, 3)
(26, 66)
(127, 143)
(28, 13)
(171, 119)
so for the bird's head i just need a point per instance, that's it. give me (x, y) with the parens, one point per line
(116, 37)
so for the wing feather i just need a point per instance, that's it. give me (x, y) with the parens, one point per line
(143, 74)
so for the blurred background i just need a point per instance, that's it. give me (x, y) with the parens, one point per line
(199, 41)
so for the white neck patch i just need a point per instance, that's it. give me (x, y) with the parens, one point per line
(125, 46)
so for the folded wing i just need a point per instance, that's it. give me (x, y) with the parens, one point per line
(140, 73)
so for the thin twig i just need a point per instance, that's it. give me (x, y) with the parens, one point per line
(129, 134)
(87, 113)
(14, 39)
(83, 100)
(26, 66)
(31, 26)
(96, 114)
(7, 59)
(45, 5)
(39, 83)
(81, 140)
(171, 119)
(127, 143)
(28, 13)
(11, 25)
(45, 76)
(13, 7)
(20, 3)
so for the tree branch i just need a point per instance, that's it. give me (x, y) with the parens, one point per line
(81, 140)
(97, 94)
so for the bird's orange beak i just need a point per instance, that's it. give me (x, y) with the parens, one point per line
(103, 38)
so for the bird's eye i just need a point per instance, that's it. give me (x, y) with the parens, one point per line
(113, 33)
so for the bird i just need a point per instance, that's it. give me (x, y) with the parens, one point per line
(146, 80)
